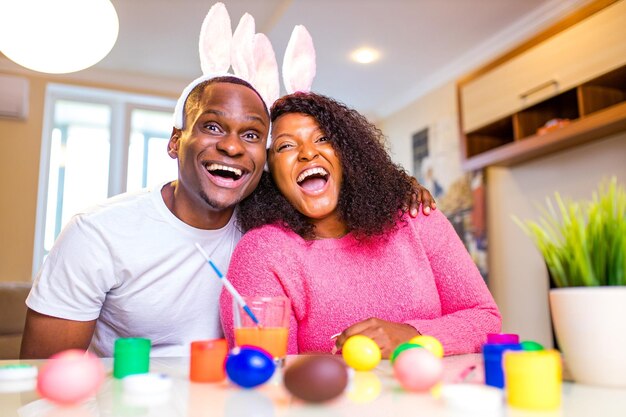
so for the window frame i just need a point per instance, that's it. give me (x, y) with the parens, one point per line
(122, 105)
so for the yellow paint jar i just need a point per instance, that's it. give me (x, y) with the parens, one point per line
(533, 379)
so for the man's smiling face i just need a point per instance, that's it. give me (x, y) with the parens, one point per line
(221, 150)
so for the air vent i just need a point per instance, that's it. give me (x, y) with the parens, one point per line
(13, 97)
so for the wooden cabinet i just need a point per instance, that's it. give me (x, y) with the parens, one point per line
(577, 76)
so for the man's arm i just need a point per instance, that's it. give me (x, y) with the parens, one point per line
(46, 335)
(419, 195)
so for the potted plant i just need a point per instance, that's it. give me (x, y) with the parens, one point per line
(584, 247)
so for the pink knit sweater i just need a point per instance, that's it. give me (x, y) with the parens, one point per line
(420, 274)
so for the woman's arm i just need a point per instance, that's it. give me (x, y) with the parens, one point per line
(468, 309)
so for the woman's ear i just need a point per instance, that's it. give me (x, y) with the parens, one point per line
(172, 145)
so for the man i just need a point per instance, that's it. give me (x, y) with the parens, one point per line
(129, 267)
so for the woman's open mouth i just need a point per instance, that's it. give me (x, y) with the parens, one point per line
(313, 180)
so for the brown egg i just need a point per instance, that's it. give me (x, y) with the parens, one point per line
(316, 378)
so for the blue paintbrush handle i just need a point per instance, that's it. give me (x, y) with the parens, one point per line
(229, 287)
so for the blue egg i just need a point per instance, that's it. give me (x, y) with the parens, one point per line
(248, 366)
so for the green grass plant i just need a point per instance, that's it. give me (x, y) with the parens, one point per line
(583, 243)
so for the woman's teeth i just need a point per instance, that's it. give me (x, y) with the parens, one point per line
(309, 172)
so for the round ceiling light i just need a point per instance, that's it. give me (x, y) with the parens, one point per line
(365, 55)
(58, 36)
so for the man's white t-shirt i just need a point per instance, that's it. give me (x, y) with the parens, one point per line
(133, 265)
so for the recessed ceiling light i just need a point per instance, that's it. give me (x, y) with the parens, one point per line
(365, 55)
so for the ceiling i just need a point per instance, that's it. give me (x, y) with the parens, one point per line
(423, 43)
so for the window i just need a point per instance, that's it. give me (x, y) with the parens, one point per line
(148, 161)
(96, 144)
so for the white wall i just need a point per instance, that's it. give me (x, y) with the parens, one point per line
(517, 276)
(437, 111)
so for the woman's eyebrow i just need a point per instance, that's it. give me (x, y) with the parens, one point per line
(287, 134)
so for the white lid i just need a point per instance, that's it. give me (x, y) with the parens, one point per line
(17, 371)
(20, 385)
(475, 398)
(150, 383)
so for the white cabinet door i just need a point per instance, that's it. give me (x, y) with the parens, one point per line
(582, 52)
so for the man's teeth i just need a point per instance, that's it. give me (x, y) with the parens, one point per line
(311, 171)
(215, 167)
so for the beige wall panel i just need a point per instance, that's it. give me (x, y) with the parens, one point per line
(19, 170)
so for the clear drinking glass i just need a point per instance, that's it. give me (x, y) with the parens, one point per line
(272, 331)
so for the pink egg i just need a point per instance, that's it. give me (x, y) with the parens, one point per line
(70, 377)
(418, 369)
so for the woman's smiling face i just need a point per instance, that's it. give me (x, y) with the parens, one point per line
(306, 167)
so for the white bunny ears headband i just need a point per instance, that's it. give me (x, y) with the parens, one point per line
(252, 58)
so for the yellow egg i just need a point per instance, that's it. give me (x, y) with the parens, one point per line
(430, 343)
(361, 353)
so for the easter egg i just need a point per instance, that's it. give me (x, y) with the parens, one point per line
(429, 343)
(249, 366)
(361, 353)
(401, 348)
(418, 369)
(70, 377)
(531, 345)
(316, 378)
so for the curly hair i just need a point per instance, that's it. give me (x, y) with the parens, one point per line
(374, 189)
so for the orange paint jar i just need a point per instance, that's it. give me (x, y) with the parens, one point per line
(207, 360)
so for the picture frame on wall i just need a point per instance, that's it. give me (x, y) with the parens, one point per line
(460, 198)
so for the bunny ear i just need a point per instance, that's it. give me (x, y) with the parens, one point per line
(266, 78)
(242, 59)
(215, 40)
(299, 61)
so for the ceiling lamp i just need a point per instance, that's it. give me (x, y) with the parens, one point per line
(365, 55)
(57, 36)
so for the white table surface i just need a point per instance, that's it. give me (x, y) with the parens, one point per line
(374, 393)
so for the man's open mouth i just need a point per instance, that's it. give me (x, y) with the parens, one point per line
(313, 179)
(224, 172)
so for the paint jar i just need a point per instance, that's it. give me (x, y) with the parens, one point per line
(207, 360)
(502, 338)
(533, 379)
(492, 355)
(131, 356)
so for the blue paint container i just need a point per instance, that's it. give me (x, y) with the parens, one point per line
(492, 356)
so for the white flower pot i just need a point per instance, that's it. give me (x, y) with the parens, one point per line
(590, 326)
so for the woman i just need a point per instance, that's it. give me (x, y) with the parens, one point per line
(328, 230)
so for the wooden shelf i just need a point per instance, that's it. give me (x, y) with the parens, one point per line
(558, 90)
(595, 109)
(595, 126)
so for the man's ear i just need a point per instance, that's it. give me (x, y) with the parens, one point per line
(172, 145)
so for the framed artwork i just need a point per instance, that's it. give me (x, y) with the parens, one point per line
(460, 195)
